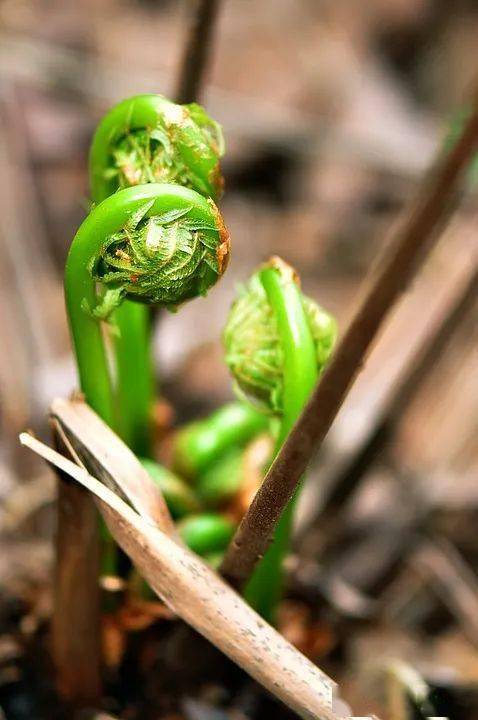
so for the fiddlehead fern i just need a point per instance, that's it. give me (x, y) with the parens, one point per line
(255, 352)
(161, 259)
(148, 139)
(277, 343)
(110, 249)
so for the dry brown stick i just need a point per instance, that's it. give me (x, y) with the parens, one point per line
(86, 437)
(192, 590)
(454, 580)
(75, 621)
(197, 51)
(75, 626)
(388, 279)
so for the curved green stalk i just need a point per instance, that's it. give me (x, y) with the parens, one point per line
(277, 341)
(146, 139)
(154, 243)
(300, 374)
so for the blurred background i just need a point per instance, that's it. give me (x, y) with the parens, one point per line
(332, 111)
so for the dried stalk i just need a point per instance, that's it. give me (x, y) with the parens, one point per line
(192, 590)
(400, 261)
(77, 654)
(75, 622)
(88, 438)
(197, 51)
(454, 580)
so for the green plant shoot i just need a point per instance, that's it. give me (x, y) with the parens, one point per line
(155, 244)
(277, 342)
(149, 139)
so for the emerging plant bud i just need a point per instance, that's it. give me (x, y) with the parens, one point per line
(149, 139)
(206, 533)
(162, 258)
(254, 351)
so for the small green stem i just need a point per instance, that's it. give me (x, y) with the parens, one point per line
(300, 374)
(91, 360)
(135, 376)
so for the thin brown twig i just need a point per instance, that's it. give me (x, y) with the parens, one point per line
(453, 579)
(87, 439)
(413, 241)
(197, 51)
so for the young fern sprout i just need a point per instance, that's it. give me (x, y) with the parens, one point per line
(277, 342)
(149, 139)
(155, 244)
(201, 443)
(206, 534)
(220, 482)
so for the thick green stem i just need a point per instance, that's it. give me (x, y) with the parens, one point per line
(95, 381)
(91, 359)
(300, 374)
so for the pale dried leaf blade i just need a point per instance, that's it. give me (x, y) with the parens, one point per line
(110, 459)
(193, 591)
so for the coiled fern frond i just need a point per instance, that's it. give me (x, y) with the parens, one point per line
(161, 259)
(149, 139)
(254, 352)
